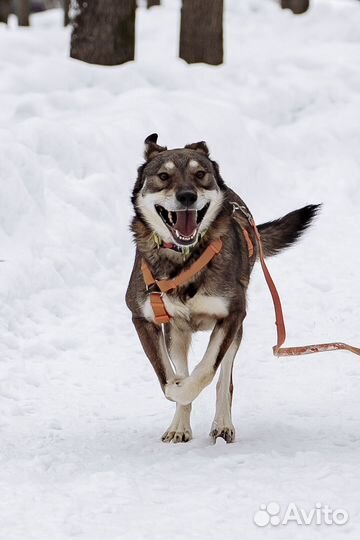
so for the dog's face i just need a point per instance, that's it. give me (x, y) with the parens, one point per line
(178, 192)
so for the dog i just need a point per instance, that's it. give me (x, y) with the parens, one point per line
(183, 209)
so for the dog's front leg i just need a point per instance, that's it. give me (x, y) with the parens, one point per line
(185, 390)
(153, 343)
(222, 425)
(178, 343)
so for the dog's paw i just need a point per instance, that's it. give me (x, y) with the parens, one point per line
(177, 434)
(181, 390)
(226, 432)
(179, 429)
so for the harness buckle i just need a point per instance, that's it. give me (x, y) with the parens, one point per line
(150, 289)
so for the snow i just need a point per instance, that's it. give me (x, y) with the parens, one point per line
(81, 411)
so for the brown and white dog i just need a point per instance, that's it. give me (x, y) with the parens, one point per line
(181, 206)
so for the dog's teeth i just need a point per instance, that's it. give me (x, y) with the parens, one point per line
(185, 238)
(170, 218)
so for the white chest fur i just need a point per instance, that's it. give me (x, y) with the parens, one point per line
(200, 304)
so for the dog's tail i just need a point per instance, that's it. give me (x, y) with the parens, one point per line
(281, 233)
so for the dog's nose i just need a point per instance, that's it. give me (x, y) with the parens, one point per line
(186, 197)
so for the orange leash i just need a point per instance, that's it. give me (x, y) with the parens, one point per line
(278, 350)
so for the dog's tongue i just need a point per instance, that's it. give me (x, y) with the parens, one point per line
(186, 222)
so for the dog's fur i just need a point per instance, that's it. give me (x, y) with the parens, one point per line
(213, 299)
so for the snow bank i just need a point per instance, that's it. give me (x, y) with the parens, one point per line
(81, 413)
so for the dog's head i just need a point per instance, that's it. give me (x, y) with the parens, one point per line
(179, 192)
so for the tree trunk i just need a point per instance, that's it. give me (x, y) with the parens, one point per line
(66, 4)
(23, 12)
(104, 32)
(201, 31)
(151, 3)
(296, 6)
(4, 10)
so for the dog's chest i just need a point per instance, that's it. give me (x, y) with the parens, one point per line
(199, 306)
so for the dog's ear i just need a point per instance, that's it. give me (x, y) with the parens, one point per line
(151, 148)
(200, 147)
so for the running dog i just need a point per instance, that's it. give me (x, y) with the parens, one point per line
(194, 255)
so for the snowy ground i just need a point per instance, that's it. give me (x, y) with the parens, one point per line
(81, 412)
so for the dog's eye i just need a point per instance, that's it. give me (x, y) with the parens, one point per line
(200, 174)
(164, 176)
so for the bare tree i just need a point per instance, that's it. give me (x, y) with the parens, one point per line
(66, 5)
(23, 12)
(151, 3)
(201, 31)
(5, 6)
(296, 6)
(104, 32)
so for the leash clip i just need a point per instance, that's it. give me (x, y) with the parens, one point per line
(244, 210)
(235, 206)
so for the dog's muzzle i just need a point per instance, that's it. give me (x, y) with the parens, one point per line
(183, 223)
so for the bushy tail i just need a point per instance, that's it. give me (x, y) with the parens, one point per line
(281, 233)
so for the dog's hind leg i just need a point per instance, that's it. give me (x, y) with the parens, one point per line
(178, 343)
(222, 425)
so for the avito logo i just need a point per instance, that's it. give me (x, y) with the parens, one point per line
(272, 514)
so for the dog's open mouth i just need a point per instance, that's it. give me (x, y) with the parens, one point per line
(183, 224)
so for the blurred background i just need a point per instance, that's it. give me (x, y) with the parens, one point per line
(274, 90)
(112, 24)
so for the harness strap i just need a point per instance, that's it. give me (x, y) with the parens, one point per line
(159, 309)
(165, 285)
(250, 245)
(156, 301)
(147, 275)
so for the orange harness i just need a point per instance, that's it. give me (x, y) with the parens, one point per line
(166, 285)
